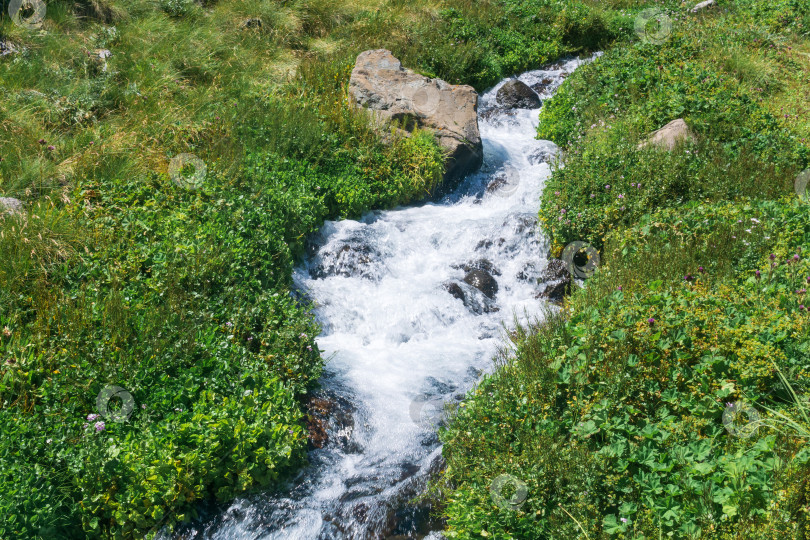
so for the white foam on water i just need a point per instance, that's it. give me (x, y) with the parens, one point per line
(394, 333)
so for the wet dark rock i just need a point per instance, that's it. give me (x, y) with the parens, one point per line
(483, 281)
(555, 271)
(497, 183)
(455, 290)
(473, 299)
(364, 486)
(516, 94)
(435, 386)
(499, 117)
(554, 292)
(474, 373)
(480, 264)
(504, 181)
(330, 420)
(522, 224)
(544, 153)
(350, 258)
(360, 512)
(486, 244)
(541, 86)
(527, 272)
(557, 280)
(408, 470)
(483, 244)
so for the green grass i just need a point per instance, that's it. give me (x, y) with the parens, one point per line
(609, 414)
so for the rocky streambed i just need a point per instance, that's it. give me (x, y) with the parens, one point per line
(413, 303)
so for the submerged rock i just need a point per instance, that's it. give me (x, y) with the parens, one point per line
(379, 82)
(349, 258)
(557, 281)
(480, 264)
(483, 281)
(474, 300)
(516, 94)
(545, 152)
(542, 86)
(330, 420)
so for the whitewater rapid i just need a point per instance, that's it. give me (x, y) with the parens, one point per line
(400, 344)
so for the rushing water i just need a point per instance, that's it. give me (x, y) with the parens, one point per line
(401, 343)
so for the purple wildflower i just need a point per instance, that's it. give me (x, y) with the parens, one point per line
(91, 417)
(99, 426)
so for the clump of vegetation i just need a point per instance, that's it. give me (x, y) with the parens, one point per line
(669, 396)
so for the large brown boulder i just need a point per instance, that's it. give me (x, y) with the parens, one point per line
(669, 136)
(380, 83)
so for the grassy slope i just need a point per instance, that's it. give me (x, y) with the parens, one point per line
(115, 275)
(611, 413)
